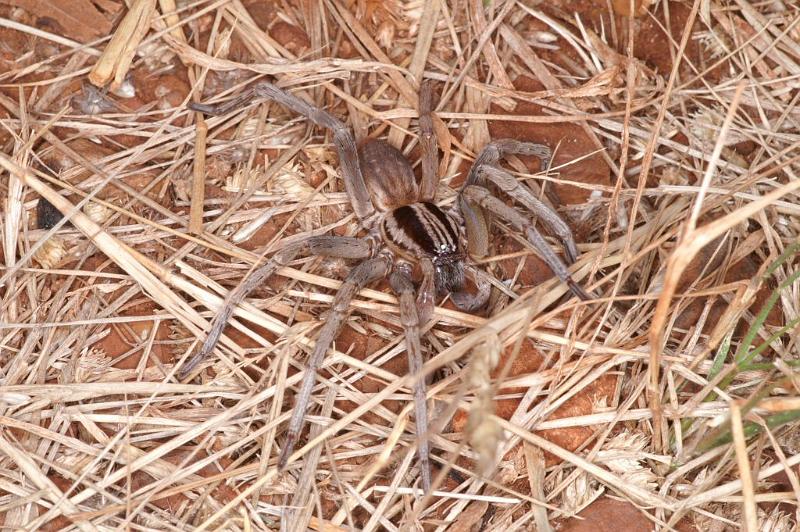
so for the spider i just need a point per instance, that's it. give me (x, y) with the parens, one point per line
(403, 227)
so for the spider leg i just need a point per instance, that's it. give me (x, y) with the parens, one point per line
(224, 108)
(472, 302)
(484, 199)
(402, 285)
(330, 246)
(523, 195)
(426, 294)
(366, 272)
(427, 141)
(493, 151)
(342, 136)
(474, 220)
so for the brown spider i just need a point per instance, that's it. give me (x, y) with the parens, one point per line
(403, 227)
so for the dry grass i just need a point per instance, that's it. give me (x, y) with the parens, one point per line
(675, 390)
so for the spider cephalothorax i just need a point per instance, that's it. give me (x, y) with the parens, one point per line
(423, 231)
(404, 227)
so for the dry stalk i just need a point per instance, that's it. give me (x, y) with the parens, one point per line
(116, 60)
(483, 433)
(656, 131)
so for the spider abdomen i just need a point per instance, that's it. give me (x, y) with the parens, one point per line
(388, 175)
(423, 230)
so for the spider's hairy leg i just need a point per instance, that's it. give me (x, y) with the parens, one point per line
(483, 198)
(404, 288)
(342, 136)
(426, 294)
(492, 152)
(427, 142)
(328, 246)
(472, 302)
(363, 274)
(508, 184)
(224, 108)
